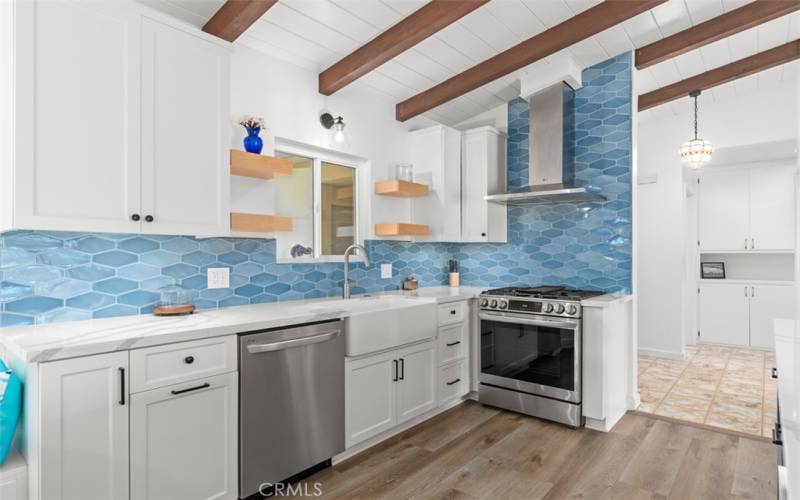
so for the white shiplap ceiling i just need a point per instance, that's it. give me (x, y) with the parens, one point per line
(317, 33)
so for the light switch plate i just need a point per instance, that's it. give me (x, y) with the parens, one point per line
(219, 277)
(386, 271)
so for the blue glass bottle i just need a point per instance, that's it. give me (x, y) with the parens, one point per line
(253, 143)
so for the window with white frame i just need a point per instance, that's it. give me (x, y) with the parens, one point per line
(321, 197)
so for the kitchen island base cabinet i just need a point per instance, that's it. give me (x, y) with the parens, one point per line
(84, 428)
(384, 390)
(177, 447)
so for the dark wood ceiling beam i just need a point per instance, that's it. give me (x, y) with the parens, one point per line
(724, 74)
(573, 30)
(235, 16)
(735, 21)
(424, 22)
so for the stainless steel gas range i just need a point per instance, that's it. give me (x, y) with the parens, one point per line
(530, 351)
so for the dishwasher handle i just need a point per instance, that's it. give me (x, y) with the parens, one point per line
(287, 344)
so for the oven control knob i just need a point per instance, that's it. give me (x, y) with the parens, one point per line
(572, 309)
(484, 302)
(494, 303)
(503, 304)
(548, 308)
(560, 309)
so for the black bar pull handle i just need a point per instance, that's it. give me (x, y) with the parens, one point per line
(190, 389)
(121, 386)
(402, 369)
(774, 372)
(454, 381)
(451, 344)
(394, 370)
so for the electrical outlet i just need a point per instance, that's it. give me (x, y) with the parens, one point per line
(386, 271)
(219, 277)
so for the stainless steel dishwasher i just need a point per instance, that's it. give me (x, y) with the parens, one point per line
(291, 401)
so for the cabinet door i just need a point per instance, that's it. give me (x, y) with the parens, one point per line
(483, 169)
(416, 387)
(183, 444)
(77, 116)
(370, 396)
(772, 208)
(724, 211)
(84, 433)
(767, 303)
(724, 314)
(474, 159)
(186, 133)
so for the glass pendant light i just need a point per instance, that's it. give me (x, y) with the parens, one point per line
(696, 153)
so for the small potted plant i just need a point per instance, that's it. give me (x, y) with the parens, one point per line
(253, 125)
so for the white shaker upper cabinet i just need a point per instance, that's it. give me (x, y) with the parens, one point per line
(724, 211)
(772, 212)
(435, 153)
(77, 97)
(483, 172)
(185, 133)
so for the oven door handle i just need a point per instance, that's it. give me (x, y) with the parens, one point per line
(516, 320)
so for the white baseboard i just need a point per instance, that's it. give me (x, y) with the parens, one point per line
(657, 353)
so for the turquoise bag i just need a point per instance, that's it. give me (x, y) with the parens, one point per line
(10, 409)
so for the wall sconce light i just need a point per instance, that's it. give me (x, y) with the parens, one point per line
(336, 124)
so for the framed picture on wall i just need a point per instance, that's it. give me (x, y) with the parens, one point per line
(712, 270)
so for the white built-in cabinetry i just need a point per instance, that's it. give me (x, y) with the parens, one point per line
(742, 313)
(120, 122)
(154, 423)
(386, 389)
(460, 169)
(747, 209)
(435, 153)
(483, 172)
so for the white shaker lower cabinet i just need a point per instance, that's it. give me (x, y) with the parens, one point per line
(416, 387)
(387, 389)
(742, 314)
(183, 440)
(369, 389)
(768, 303)
(84, 428)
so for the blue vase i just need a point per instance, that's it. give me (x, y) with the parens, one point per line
(253, 143)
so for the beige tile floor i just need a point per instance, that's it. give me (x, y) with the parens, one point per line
(726, 387)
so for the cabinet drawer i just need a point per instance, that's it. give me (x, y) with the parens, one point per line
(452, 342)
(453, 382)
(162, 365)
(454, 312)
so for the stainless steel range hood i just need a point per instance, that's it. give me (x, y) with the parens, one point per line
(551, 168)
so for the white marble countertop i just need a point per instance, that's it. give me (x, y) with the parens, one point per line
(787, 357)
(607, 300)
(53, 341)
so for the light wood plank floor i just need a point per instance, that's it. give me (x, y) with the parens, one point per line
(473, 451)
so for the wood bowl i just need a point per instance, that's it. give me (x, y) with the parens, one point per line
(173, 310)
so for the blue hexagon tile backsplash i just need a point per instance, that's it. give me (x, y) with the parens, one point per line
(48, 276)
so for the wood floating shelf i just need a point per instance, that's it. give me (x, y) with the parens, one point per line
(259, 166)
(401, 189)
(400, 229)
(257, 223)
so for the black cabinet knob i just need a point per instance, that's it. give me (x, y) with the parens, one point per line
(189, 360)
(453, 312)
(148, 218)
(135, 217)
(483, 235)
